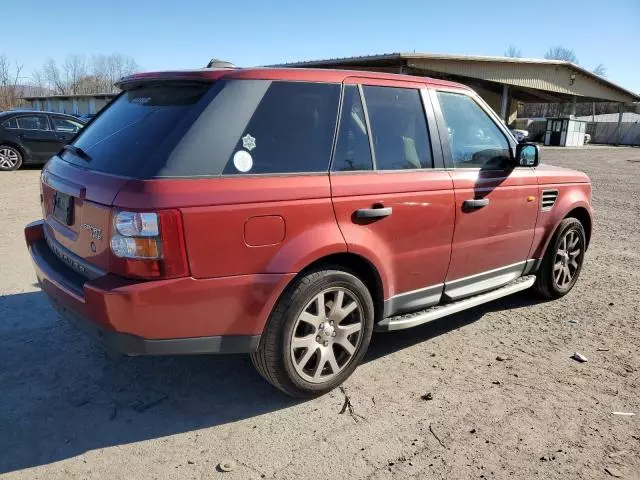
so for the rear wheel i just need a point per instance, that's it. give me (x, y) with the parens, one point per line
(563, 260)
(10, 158)
(317, 333)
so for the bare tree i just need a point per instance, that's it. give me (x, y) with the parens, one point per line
(108, 69)
(74, 70)
(52, 74)
(9, 88)
(77, 75)
(600, 70)
(561, 53)
(39, 80)
(513, 52)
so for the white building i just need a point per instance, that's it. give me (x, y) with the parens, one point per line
(80, 104)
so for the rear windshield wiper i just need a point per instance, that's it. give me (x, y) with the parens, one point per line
(77, 151)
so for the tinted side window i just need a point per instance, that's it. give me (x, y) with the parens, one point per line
(66, 125)
(11, 123)
(290, 131)
(33, 122)
(353, 151)
(475, 140)
(399, 128)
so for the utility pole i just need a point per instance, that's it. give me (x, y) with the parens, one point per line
(619, 127)
(505, 103)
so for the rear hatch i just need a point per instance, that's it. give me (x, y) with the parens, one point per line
(120, 145)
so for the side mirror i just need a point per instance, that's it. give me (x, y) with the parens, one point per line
(527, 155)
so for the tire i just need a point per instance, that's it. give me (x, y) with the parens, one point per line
(561, 266)
(304, 351)
(10, 158)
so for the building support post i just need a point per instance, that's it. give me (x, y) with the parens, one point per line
(619, 127)
(573, 106)
(505, 103)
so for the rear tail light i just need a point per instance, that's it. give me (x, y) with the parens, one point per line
(148, 245)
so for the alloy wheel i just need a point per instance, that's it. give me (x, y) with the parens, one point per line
(327, 334)
(567, 260)
(8, 158)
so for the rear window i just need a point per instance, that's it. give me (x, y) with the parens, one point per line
(235, 127)
(138, 128)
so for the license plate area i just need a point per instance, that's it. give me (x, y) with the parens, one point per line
(63, 208)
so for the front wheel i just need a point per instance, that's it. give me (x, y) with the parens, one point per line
(563, 260)
(10, 158)
(317, 334)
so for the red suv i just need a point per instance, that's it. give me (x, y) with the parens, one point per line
(288, 213)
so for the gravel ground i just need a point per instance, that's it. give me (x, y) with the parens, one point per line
(70, 410)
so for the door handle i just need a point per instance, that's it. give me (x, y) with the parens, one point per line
(371, 213)
(475, 203)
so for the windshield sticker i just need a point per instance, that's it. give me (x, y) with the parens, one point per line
(248, 142)
(242, 161)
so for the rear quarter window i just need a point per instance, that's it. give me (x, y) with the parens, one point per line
(260, 127)
(11, 123)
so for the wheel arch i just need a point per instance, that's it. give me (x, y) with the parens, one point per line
(584, 217)
(576, 205)
(360, 266)
(21, 150)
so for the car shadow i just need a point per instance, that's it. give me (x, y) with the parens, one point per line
(63, 396)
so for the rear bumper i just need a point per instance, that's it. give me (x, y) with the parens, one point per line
(176, 316)
(133, 345)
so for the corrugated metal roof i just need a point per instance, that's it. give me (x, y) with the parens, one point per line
(627, 117)
(469, 65)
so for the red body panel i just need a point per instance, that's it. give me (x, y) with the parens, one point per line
(411, 247)
(215, 234)
(499, 234)
(177, 308)
(574, 191)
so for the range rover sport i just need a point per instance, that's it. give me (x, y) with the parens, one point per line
(288, 213)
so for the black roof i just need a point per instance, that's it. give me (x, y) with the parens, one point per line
(21, 111)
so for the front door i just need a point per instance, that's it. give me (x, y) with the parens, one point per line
(496, 204)
(38, 138)
(392, 206)
(65, 129)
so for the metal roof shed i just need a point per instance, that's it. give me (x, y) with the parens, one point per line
(499, 80)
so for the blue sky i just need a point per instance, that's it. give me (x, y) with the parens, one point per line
(166, 34)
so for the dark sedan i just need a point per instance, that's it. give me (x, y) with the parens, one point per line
(32, 137)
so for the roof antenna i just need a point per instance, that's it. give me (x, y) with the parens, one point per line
(217, 63)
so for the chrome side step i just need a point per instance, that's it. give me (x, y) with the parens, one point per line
(409, 320)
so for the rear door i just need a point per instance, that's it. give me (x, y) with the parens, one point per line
(392, 198)
(37, 136)
(496, 204)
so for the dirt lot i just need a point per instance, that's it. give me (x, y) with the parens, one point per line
(70, 410)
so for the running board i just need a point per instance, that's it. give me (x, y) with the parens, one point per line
(409, 320)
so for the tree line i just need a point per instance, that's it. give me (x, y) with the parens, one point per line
(76, 74)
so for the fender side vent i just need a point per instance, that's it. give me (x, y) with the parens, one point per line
(549, 198)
